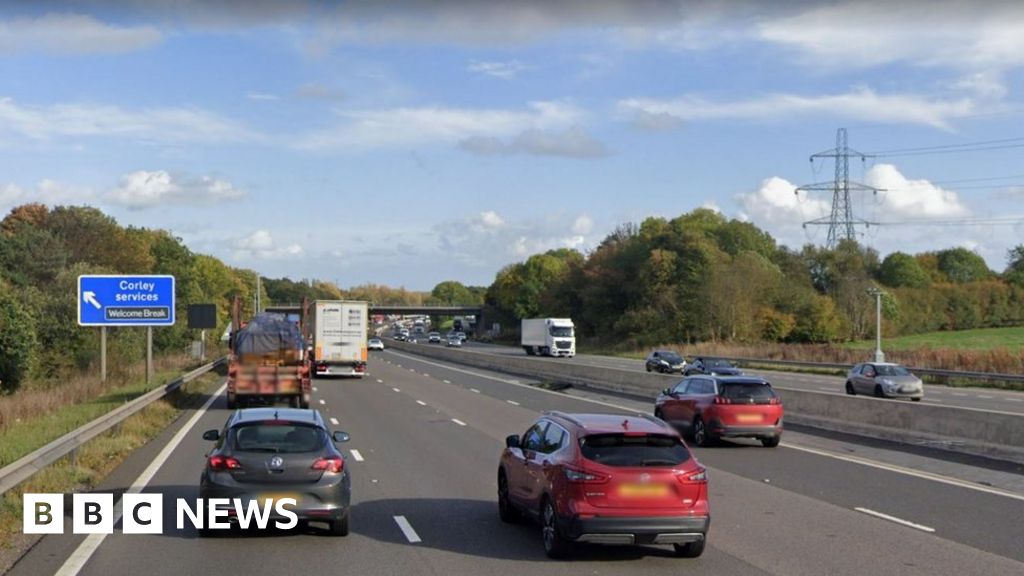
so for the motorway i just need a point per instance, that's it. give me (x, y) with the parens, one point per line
(428, 436)
(978, 398)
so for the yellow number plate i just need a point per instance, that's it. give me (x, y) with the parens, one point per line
(274, 497)
(748, 417)
(643, 490)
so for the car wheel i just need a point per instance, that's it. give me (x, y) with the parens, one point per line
(690, 549)
(771, 441)
(700, 433)
(339, 527)
(648, 366)
(878, 391)
(232, 402)
(850, 390)
(506, 511)
(555, 545)
(916, 399)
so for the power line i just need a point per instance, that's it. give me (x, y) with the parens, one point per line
(949, 148)
(951, 151)
(985, 179)
(1004, 221)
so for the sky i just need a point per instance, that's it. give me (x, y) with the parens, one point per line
(406, 143)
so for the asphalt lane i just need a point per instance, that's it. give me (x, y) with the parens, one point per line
(429, 436)
(977, 398)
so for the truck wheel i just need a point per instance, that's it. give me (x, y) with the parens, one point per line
(293, 402)
(303, 402)
(545, 351)
(529, 350)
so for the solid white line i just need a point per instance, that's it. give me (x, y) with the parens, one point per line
(826, 389)
(459, 422)
(512, 402)
(421, 402)
(852, 459)
(406, 529)
(334, 421)
(475, 390)
(449, 382)
(397, 389)
(74, 564)
(356, 455)
(322, 401)
(895, 519)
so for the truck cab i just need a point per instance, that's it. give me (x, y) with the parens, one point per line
(549, 337)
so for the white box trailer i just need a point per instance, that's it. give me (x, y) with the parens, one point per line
(338, 334)
(549, 337)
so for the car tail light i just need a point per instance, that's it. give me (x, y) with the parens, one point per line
(776, 400)
(583, 477)
(332, 464)
(722, 400)
(699, 476)
(218, 463)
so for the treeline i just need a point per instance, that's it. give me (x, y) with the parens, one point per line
(702, 277)
(448, 292)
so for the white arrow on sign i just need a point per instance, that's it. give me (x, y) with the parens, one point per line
(90, 298)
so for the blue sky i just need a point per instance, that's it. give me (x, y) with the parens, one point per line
(405, 143)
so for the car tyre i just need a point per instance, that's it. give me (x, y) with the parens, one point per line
(506, 510)
(916, 399)
(339, 527)
(690, 549)
(555, 545)
(648, 366)
(878, 391)
(850, 390)
(700, 433)
(771, 441)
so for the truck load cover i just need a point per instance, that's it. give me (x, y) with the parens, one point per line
(270, 337)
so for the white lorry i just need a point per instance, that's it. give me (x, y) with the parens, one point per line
(549, 337)
(337, 337)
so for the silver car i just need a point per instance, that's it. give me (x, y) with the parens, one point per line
(884, 380)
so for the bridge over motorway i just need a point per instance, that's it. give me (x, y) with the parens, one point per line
(404, 310)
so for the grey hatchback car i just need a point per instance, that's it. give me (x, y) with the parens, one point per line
(275, 453)
(884, 380)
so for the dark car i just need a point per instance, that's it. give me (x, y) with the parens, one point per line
(665, 361)
(712, 366)
(605, 479)
(712, 407)
(276, 453)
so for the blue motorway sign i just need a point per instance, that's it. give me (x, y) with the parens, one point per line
(125, 300)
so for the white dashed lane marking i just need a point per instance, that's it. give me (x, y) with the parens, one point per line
(355, 454)
(900, 521)
(322, 401)
(334, 421)
(407, 529)
(459, 422)
(421, 402)
(512, 402)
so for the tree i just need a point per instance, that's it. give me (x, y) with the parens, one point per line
(17, 342)
(961, 265)
(1014, 273)
(899, 270)
(451, 292)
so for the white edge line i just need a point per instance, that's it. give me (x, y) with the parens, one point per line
(864, 462)
(355, 454)
(459, 422)
(407, 529)
(896, 520)
(74, 564)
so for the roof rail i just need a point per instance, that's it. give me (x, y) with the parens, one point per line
(564, 416)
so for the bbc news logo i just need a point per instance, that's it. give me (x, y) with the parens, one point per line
(144, 513)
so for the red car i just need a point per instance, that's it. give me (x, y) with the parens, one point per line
(606, 479)
(712, 407)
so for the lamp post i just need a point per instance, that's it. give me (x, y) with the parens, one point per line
(879, 355)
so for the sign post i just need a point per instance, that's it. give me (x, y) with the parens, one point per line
(105, 300)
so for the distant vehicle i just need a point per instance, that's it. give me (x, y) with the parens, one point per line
(400, 336)
(461, 336)
(605, 478)
(884, 380)
(454, 342)
(712, 407)
(665, 361)
(548, 337)
(712, 366)
(375, 344)
(434, 338)
(337, 332)
(271, 453)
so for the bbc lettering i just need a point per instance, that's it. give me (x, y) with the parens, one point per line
(143, 513)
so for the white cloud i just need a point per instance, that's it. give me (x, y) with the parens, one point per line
(775, 207)
(73, 34)
(262, 96)
(147, 189)
(46, 191)
(574, 142)
(532, 130)
(861, 104)
(489, 240)
(95, 120)
(260, 245)
(904, 198)
(503, 70)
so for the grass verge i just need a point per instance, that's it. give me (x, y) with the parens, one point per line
(96, 459)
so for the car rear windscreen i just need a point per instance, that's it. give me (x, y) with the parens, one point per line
(278, 437)
(628, 450)
(756, 392)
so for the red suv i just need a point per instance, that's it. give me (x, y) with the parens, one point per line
(712, 407)
(606, 479)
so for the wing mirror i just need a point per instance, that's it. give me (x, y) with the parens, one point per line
(211, 435)
(512, 441)
(666, 392)
(340, 436)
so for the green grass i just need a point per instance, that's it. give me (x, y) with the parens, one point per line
(22, 438)
(980, 339)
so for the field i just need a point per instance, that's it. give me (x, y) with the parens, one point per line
(981, 339)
